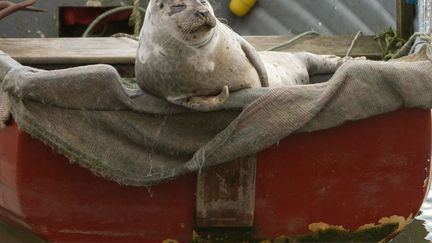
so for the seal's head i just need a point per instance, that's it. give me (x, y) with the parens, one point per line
(194, 20)
(189, 58)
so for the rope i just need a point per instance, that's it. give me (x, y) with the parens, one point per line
(293, 40)
(135, 18)
(106, 14)
(354, 41)
(405, 49)
(133, 37)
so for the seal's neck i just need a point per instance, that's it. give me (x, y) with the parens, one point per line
(206, 41)
(173, 43)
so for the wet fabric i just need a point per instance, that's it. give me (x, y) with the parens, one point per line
(137, 139)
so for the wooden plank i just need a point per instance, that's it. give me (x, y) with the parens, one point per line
(81, 51)
(405, 19)
(226, 195)
(70, 50)
(336, 45)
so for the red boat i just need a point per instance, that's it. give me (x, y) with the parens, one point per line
(363, 179)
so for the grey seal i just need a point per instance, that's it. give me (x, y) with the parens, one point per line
(188, 57)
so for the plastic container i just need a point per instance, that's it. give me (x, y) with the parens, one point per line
(241, 7)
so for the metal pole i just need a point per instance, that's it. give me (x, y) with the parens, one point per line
(424, 15)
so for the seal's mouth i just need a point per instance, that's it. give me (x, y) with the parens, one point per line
(204, 27)
(198, 26)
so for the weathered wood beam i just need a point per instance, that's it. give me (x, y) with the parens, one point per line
(225, 195)
(329, 45)
(405, 19)
(81, 51)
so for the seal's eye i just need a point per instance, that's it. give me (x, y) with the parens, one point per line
(179, 6)
(161, 6)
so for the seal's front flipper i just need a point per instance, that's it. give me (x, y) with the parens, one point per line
(203, 103)
(255, 59)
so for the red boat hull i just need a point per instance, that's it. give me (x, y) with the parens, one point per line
(361, 173)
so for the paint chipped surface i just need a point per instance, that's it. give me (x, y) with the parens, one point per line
(323, 226)
(397, 219)
(381, 231)
(170, 241)
(386, 227)
(401, 221)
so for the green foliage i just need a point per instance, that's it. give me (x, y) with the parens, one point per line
(389, 43)
(130, 83)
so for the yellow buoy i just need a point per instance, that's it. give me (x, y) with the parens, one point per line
(241, 7)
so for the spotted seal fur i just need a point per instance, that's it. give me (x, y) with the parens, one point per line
(188, 57)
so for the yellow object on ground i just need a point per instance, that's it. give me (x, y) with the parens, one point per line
(241, 7)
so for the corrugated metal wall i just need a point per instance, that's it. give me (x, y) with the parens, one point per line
(269, 17)
(424, 16)
(279, 17)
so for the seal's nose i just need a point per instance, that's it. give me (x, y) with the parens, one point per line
(203, 13)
